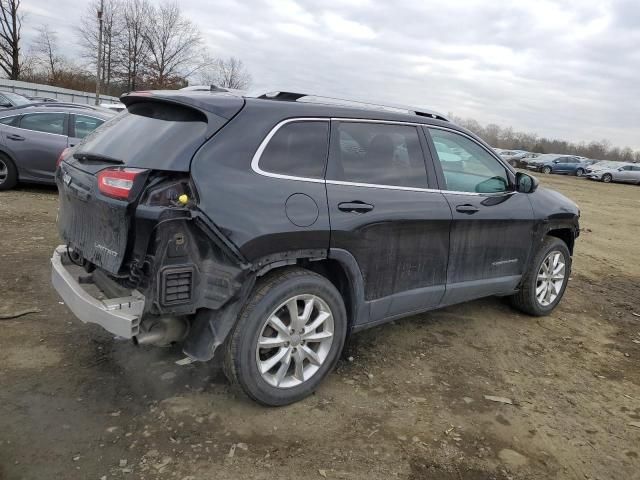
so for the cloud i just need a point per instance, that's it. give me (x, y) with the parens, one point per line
(560, 68)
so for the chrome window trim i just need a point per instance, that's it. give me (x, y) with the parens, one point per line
(255, 161)
(386, 187)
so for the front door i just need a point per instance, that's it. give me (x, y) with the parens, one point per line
(491, 233)
(384, 213)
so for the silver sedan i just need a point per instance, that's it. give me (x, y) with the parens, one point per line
(623, 174)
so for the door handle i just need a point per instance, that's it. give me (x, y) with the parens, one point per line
(468, 209)
(355, 207)
(15, 137)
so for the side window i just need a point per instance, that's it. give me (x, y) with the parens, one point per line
(11, 121)
(44, 122)
(468, 167)
(298, 149)
(85, 125)
(380, 154)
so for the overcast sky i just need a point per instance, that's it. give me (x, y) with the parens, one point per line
(565, 69)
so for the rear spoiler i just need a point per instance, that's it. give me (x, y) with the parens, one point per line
(219, 108)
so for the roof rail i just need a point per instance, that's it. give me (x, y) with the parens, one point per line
(311, 98)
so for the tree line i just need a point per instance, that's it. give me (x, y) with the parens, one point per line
(510, 139)
(144, 46)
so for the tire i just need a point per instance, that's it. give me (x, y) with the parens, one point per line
(580, 172)
(284, 383)
(607, 178)
(546, 170)
(526, 300)
(8, 173)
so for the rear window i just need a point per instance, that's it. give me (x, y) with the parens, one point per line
(298, 149)
(149, 135)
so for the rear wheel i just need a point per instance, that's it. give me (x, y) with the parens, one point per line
(544, 284)
(288, 338)
(580, 172)
(8, 173)
(546, 170)
(606, 178)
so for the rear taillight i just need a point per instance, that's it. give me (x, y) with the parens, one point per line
(117, 182)
(62, 155)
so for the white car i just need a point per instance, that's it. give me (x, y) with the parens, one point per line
(628, 173)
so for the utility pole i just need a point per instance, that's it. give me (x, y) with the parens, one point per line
(99, 63)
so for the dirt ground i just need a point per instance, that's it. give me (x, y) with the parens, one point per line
(406, 402)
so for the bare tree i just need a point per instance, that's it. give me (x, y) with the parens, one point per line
(131, 43)
(172, 40)
(231, 73)
(89, 33)
(10, 27)
(45, 48)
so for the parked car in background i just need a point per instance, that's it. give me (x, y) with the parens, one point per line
(598, 165)
(42, 99)
(627, 173)
(10, 100)
(116, 107)
(567, 164)
(512, 156)
(32, 138)
(348, 217)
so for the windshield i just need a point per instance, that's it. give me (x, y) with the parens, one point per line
(17, 99)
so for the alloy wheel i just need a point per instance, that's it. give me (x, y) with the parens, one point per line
(4, 171)
(546, 170)
(550, 278)
(294, 341)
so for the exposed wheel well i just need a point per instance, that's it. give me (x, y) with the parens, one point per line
(333, 271)
(564, 234)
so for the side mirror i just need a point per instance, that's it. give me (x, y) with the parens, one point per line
(620, 169)
(556, 161)
(6, 105)
(526, 183)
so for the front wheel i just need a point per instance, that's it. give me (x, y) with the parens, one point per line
(288, 338)
(546, 170)
(580, 172)
(606, 178)
(544, 284)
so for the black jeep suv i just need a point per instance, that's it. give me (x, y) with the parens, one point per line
(276, 226)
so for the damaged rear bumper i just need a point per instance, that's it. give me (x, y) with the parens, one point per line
(120, 316)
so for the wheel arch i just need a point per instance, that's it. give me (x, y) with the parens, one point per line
(566, 234)
(341, 269)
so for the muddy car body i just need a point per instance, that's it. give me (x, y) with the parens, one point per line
(277, 226)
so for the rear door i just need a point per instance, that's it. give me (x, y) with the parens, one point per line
(625, 174)
(38, 142)
(385, 212)
(491, 233)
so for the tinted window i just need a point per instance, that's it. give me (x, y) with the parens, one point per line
(298, 149)
(379, 154)
(148, 135)
(85, 125)
(44, 122)
(468, 167)
(12, 121)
